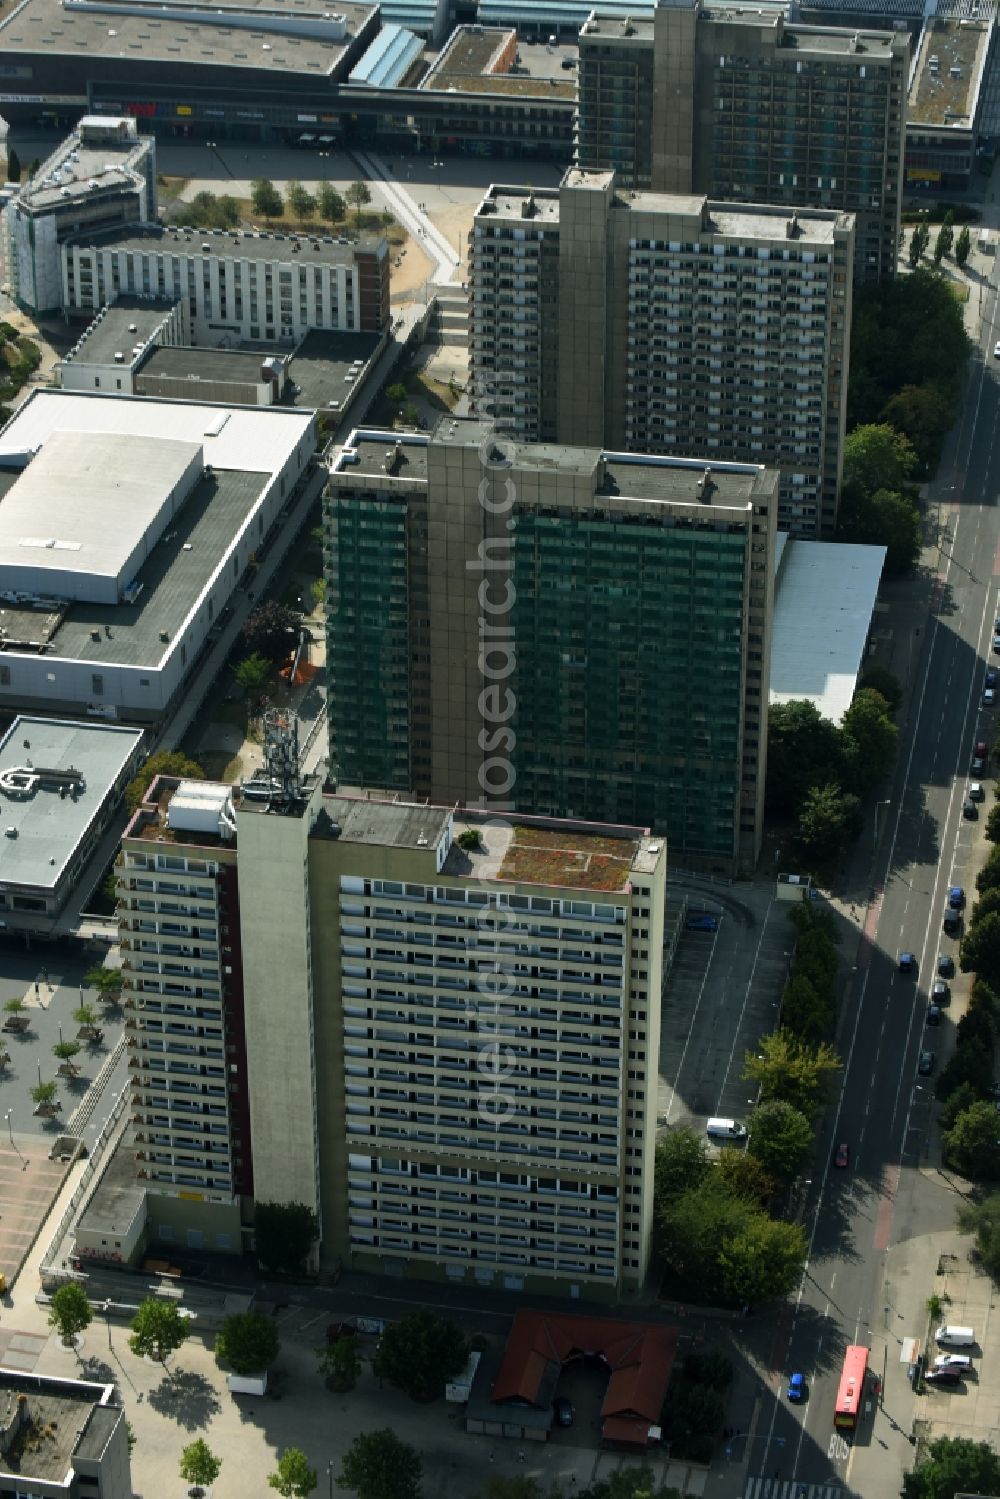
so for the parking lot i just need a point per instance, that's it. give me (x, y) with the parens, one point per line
(720, 996)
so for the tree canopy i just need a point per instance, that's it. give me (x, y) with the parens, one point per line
(293, 1478)
(199, 1466)
(980, 948)
(265, 198)
(163, 763)
(954, 1465)
(271, 630)
(828, 819)
(681, 1162)
(971, 1145)
(869, 738)
(248, 1342)
(420, 1353)
(983, 1219)
(781, 1137)
(876, 456)
(803, 751)
(70, 1311)
(377, 1465)
(158, 1330)
(284, 1233)
(788, 1069)
(724, 1249)
(905, 331)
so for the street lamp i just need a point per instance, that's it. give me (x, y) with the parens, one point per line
(329, 1474)
(886, 803)
(10, 1130)
(107, 1318)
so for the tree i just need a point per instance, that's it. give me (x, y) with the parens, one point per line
(983, 1220)
(781, 1137)
(971, 1145)
(377, 1465)
(828, 818)
(886, 518)
(14, 1007)
(271, 630)
(977, 1027)
(293, 1478)
(876, 456)
(340, 1364)
(744, 1175)
(922, 413)
(285, 1232)
(870, 739)
(882, 680)
(786, 1068)
(954, 1465)
(968, 1067)
(248, 1342)
(420, 1353)
(918, 244)
(992, 828)
(359, 196)
(300, 200)
(943, 243)
(86, 1018)
(712, 1241)
(680, 1163)
(397, 394)
(331, 205)
(963, 245)
(70, 1312)
(43, 1096)
(803, 750)
(980, 949)
(13, 166)
(265, 199)
(988, 877)
(107, 982)
(630, 1483)
(163, 763)
(764, 1260)
(64, 1052)
(252, 672)
(158, 1330)
(805, 1011)
(904, 332)
(199, 1467)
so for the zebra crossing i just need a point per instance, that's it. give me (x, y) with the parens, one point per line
(791, 1488)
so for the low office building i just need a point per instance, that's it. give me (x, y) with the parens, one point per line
(237, 285)
(386, 928)
(103, 175)
(637, 632)
(60, 785)
(110, 352)
(62, 1439)
(946, 98)
(125, 526)
(667, 324)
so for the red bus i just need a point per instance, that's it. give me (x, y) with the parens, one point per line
(852, 1388)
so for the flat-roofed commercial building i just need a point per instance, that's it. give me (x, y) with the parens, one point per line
(125, 527)
(103, 175)
(748, 107)
(237, 285)
(661, 323)
(85, 1451)
(60, 784)
(638, 619)
(946, 100)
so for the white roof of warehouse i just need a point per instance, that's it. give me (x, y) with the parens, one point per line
(824, 597)
(85, 501)
(249, 440)
(49, 827)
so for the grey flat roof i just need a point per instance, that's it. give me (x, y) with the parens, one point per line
(113, 332)
(85, 501)
(152, 238)
(50, 826)
(389, 824)
(78, 164)
(98, 1432)
(192, 364)
(120, 1194)
(936, 96)
(322, 361)
(60, 1408)
(112, 32)
(824, 595)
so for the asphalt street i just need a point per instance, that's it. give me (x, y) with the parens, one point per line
(923, 845)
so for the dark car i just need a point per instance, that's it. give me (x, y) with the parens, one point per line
(992, 677)
(982, 748)
(940, 992)
(842, 1156)
(946, 965)
(702, 923)
(951, 922)
(970, 811)
(926, 1064)
(978, 764)
(933, 1014)
(797, 1388)
(907, 963)
(956, 897)
(563, 1411)
(337, 1330)
(943, 1376)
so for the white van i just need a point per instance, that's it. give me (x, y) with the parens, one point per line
(725, 1129)
(956, 1337)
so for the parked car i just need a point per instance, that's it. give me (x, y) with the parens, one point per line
(702, 924)
(978, 765)
(926, 1064)
(842, 1156)
(989, 697)
(946, 965)
(992, 678)
(996, 644)
(907, 963)
(982, 748)
(953, 1361)
(797, 1388)
(943, 1376)
(563, 1411)
(940, 992)
(970, 811)
(337, 1330)
(956, 897)
(933, 1014)
(976, 792)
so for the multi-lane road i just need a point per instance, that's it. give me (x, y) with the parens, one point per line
(884, 1111)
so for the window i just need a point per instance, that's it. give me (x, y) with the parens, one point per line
(97, 684)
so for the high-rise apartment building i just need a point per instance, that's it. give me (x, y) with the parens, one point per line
(740, 104)
(624, 600)
(437, 1028)
(667, 324)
